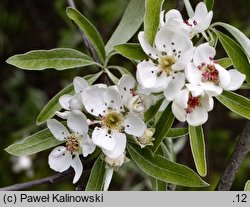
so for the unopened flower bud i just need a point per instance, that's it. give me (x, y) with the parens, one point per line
(117, 162)
(146, 138)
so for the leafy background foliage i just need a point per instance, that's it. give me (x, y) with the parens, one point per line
(43, 24)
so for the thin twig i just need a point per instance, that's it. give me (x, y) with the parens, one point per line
(86, 41)
(50, 180)
(241, 149)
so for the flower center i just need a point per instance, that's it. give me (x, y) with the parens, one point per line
(113, 121)
(165, 64)
(209, 73)
(192, 103)
(73, 143)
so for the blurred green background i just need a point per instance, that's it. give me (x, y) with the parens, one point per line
(42, 24)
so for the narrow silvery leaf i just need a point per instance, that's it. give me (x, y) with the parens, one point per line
(131, 51)
(152, 19)
(177, 132)
(129, 24)
(238, 35)
(163, 126)
(112, 77)
(236, 54)
(96, 178)
(236, 103)
(189, 8)
(151, 112)
(197, 144)
(209, 4)
(161, 168)
(122, 70)
(247, 186)
(59, 59)
(37, 142)
(225, 62)
(53, 105)
(89, 30)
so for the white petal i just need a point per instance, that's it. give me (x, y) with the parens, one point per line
(64, 101)
(182, 98)
(87, 145)
(162, 20)
(134, 125)
(75, 103)
(63, 115)
(193, 74)
(77, 122)
(173, 14)
(175, 86)
(126, 84)
(103, 139)
(179, 112)
(113, 99)
(78, 168)
(203, 24)
(237, 79)
(93, 101)
(60, 159)
(120, 145)
(203, 53)
(195, 90)
(211, 89)
(207, 102)
(224, 76)
(161, 83)
(200, 11)
(57, 129)
(108, 178)
(183, 60)
(80, 84)
(146, 74)
(198, 117)
(168, 39)
(150, 51)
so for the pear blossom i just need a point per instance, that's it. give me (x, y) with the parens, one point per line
(112, 121)
(198, 23)
(133, 100)
(164, 70)
(192, 105)
(73, 102)
(112, 164)
(208, 74)
(77, 142)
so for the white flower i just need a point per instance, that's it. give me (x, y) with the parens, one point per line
(133, 100)
(192, 105)
(107, 105)
(194, 25)
(77, 142)
(163, 72)
(212, 77)
(22, 163)
(73, 102)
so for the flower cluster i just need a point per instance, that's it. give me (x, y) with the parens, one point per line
(115, 112)
(186, 74)
(105, 117)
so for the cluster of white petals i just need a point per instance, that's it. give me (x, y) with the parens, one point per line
(102, 116)
(115, 112)
(188, 76)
